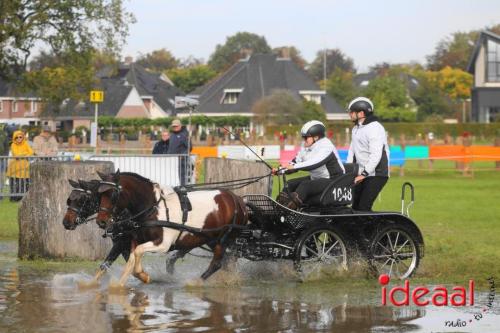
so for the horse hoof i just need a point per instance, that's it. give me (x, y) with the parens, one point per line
(144, 277)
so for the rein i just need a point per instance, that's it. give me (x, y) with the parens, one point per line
(228, 185)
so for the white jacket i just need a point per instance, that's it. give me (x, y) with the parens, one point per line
(321, 159)
(369, 148)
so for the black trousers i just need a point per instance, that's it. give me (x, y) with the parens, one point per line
(307, 188)
(18, 186)
(365, 193)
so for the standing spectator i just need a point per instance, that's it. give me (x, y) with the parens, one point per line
(179, 143)
(4, 151)
(45, 144)
(18, 169)
(161, 147)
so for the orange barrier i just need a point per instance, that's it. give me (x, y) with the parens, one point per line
(485, 153)
(204, 151)
(465, 154)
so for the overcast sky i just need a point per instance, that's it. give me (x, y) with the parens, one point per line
(394, 31)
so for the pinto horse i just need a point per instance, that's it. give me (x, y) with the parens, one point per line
(82, 203)
(216, 213)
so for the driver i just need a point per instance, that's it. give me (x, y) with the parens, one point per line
(319, 156)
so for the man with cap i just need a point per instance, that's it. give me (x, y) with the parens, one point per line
(45, 144)
(178, 144)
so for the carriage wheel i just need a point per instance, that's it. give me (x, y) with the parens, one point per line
(394, 252)
(318, 249)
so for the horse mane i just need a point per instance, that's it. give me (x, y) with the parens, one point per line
(135, 175)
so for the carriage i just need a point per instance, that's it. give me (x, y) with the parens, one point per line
(323, 234)
(327, 234)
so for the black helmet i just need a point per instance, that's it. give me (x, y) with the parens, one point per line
(361, 104)
(313, 128)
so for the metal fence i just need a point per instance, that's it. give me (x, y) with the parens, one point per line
(15, 174)
(166, 170)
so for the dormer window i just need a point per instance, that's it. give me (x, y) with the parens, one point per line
(312, 95)
(493, 62)
(231, 96)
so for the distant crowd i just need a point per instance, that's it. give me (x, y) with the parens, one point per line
(14, 143)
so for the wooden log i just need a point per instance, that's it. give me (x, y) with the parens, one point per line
(41, 233)
(222, 169)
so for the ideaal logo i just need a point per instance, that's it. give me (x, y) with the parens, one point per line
(438, 296)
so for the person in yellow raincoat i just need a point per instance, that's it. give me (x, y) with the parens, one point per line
(19, 168)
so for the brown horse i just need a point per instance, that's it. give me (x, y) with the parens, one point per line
(217, 213)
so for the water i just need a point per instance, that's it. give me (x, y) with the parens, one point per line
(260, 297)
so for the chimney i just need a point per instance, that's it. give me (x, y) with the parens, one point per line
(129, 60)
(246, 53)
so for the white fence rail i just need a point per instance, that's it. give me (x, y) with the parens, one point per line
(166, 170)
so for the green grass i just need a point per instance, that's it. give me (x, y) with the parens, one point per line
(8, 220)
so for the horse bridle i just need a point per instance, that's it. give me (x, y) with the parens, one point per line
(115, 195)
(88, 208)
(116, 188)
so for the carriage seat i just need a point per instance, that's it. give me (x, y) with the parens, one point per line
(339, 191)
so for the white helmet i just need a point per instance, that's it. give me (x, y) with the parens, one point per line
(313, 128)
(361, 104)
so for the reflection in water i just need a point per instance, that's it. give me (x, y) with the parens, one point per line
(32, 300)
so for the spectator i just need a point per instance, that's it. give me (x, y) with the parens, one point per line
(45, 144)
(161, 147)
(179, 143)
(18, 169)
(4, 151)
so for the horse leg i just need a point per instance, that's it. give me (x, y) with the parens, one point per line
(179, 254)
(216, 262)
(139, 253)
(129, 266)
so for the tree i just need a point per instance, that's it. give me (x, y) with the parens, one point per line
(72, 27)
(235, 48)
(279, 108)
(335, 58)
(158, 60)
(390, 98)
(341, 87)
(454, 82)
(190, 78)
(312, 111)
(291, 52)
(455, 50)
(430, 99)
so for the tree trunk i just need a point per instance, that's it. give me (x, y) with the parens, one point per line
(41, 233)
(222, 169)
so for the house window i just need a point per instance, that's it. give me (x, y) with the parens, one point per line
(1, 106)
(313, 98)
(231, 96)
(14, 106)
(493, 62)
(33, 107)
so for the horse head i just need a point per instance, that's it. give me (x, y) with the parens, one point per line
(109, 190)
(82, 202)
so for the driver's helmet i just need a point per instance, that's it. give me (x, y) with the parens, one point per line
(313, 128)
(361, 104)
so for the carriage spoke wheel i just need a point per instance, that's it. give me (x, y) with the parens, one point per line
(394, 252)
(320, 249)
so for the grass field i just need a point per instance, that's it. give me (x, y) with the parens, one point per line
(8, 219)
(458, 216)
